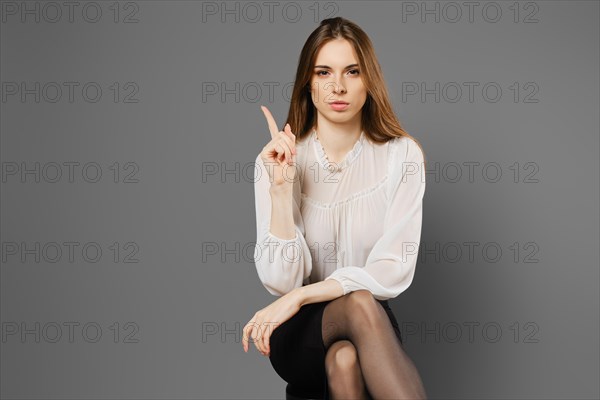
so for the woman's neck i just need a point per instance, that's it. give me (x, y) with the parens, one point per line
(337, 139)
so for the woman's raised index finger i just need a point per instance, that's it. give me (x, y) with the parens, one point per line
(271, 122)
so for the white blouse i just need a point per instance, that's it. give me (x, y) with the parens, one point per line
(358, 222)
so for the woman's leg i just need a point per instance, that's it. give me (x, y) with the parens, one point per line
(387, 370)
(344, 376)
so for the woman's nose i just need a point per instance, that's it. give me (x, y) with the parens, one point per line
(339, 87)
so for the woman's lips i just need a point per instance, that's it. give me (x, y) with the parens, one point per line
(339, 106)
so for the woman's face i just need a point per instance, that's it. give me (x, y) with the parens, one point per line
(336, 76)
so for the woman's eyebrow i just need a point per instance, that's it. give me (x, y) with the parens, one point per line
(328, 67)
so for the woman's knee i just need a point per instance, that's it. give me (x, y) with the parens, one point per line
(364, 309)
(341, 359)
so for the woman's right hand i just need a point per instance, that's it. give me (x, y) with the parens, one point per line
(279, 155)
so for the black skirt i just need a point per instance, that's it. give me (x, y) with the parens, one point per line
(298, 353)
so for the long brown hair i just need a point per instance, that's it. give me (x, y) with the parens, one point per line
(378, 120)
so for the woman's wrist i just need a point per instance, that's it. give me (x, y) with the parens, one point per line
(284, 189)
(282, 214)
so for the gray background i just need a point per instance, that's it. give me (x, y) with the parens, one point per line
(535, 324)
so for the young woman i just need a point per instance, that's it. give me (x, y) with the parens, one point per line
(339, 197)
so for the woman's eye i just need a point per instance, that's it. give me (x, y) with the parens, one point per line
(353, 70)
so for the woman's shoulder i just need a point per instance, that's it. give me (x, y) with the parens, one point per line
(303, 141)
(406, 157)
(406, 148)
(302, 146)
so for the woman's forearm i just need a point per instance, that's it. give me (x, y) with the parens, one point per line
(318, 292)
(282, 214)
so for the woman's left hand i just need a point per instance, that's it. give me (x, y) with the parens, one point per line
(265, 321)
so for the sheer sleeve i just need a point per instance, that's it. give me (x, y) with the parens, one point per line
(282, 264)
(390, 266)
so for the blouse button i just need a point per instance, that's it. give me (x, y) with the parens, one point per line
(332, 167)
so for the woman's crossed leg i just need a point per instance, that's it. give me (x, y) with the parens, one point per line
(364, 357)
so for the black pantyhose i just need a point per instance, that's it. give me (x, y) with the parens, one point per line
(387, 370)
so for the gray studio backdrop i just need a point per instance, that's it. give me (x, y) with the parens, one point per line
(128, 133)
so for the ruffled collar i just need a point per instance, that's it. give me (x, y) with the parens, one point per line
(348, 159)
